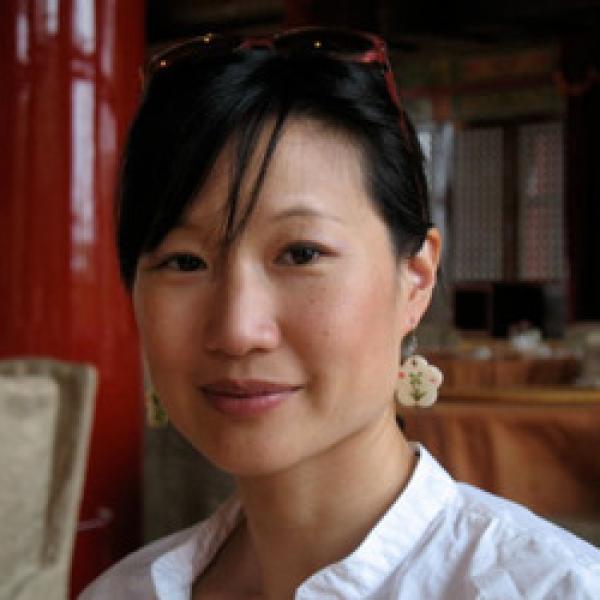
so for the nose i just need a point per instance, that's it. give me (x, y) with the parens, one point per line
(243, 315)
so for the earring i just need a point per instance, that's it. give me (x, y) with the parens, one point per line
(156, 415)
(418, 381)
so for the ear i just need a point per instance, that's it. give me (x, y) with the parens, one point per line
(418, 277)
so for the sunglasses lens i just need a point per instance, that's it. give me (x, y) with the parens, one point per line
(345, 43)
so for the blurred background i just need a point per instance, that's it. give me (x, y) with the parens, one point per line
(505, 96)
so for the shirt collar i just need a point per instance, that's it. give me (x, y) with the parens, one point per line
(173, 574)
(359, 574)
(396, 534)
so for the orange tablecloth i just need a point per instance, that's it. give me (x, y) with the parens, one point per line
(540, 447)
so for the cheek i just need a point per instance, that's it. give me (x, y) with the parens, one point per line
(349, 323)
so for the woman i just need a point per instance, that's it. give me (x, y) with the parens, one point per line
(275, 236)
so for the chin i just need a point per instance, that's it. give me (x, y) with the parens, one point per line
(262, 465)
(246, 455)
(244, 448)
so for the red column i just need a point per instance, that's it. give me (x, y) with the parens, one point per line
(69, 86)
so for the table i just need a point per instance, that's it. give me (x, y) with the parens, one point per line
(505, 368)
(539, 446)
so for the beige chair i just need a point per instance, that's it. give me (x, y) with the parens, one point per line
(46, 411)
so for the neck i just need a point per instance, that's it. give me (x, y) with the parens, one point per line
(317, 512)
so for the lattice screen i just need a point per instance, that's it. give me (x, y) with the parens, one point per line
(477, 205)
(541, 223)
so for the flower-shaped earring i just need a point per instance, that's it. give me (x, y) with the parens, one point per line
(418, 382)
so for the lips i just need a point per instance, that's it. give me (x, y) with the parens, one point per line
(246, 398)
(242, 388)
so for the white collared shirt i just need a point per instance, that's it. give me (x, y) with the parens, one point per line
(439, 540)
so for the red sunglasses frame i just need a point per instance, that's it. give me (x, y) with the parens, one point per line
(377, 53)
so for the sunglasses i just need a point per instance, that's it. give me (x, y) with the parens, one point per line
(340, 44)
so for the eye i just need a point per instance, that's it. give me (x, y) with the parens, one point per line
(183, 262)
(300, 254)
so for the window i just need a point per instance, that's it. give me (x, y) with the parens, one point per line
(541, 223)
(497, 195)
(477, 207)
(507, 203)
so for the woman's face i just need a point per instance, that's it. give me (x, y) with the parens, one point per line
(287, 343)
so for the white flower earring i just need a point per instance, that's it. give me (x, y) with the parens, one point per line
(418, 381)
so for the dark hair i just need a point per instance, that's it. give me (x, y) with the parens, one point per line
(191, 109)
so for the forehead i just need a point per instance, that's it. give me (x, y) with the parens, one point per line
(312, 164)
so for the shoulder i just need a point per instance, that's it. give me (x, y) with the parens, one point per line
(504, 520)
(131, 578)
(477, 545)
(505, 546)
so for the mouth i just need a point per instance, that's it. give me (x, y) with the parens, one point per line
(247, 398)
